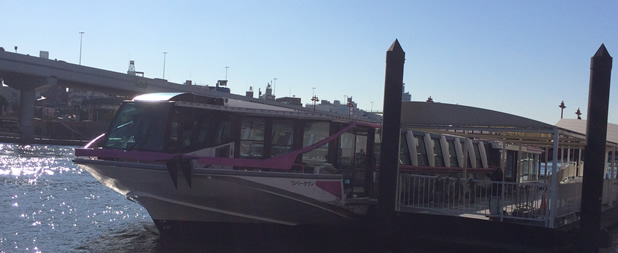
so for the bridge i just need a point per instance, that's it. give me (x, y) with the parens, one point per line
(29, 73)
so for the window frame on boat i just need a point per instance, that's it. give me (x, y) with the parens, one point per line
(129, 122)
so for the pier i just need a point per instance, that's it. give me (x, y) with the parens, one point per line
(567, 205)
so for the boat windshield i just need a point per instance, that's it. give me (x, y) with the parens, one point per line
(139, 126)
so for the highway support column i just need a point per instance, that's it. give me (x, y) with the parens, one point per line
(26, 113)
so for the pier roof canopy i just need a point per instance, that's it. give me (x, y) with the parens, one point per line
(483, 124)
(440, 115)
(579, 126)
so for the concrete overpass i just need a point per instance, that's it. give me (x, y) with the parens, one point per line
(28, 73)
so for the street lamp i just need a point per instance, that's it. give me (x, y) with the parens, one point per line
(164, 56)
(226, 67)
(315, 100)
(81, 36)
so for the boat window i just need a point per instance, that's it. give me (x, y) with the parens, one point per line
(352, 159)
(252, 138)
(313, 133)
(282, 137)
(452, 153)
(223, 132)
(360, 155)
(421, 151)
(404, 155)
(437, 153)
(194, 129)
(377, 145)
(359, 167)
(138, 126)
(204, 130)
(181, 130)
(346, 150)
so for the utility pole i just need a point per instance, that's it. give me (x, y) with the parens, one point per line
(164, 55)
(81, 36)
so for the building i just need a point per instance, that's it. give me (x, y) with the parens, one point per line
(289, 101)
(268, 95)
(405, 96)
(349, 109)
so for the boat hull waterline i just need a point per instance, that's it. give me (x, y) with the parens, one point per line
(227, 196)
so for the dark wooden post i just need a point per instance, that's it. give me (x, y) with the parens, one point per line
(389, 150)
(594, 157)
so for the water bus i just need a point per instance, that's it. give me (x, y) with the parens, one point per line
(191, 158)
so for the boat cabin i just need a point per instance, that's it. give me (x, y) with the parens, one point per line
(201, 126)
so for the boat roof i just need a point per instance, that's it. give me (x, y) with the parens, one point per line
(160, 96)
(249, 106)
(480, 123)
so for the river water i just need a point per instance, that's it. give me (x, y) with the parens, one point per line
(47, 204)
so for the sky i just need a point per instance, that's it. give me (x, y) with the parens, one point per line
(514, 56)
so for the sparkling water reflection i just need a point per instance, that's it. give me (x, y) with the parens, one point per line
(47, 204)
(50, 205)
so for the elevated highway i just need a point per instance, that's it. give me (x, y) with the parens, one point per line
(29, 73)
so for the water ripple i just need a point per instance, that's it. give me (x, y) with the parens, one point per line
(49, 205)
(52, 206)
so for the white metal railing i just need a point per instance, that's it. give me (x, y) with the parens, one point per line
(610, 192)
(456, 196)
(527, 202)
(567, 171)
(569, 197)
